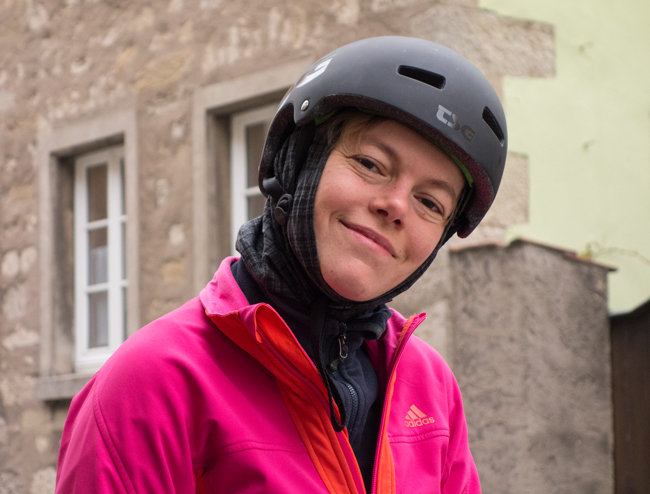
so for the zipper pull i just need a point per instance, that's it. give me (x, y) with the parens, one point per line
(343, 348)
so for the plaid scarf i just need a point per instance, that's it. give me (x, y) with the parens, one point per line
(283, 259)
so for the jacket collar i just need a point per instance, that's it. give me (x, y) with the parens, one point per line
(223, 296)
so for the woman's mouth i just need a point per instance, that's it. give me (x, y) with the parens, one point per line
(372, 235)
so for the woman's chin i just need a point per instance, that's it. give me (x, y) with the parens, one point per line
(353, 289)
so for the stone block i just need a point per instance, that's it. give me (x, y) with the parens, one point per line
(10, 483)
(20, 338)
(15, 302)
(35, 420)
(173, 271)
(160, 73)
(17, 390)
(43, 481)
(495, 44)
(27, 259)
(176, 235)
(10, 264)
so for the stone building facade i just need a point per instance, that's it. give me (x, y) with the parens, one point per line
(151, 96)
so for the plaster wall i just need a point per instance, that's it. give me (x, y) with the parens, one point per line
(529, 345)
(586, 133)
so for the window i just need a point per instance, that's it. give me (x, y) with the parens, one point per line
(99, 258)
(88, 220)
(248, 133)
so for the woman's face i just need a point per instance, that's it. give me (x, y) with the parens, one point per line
(381, 207)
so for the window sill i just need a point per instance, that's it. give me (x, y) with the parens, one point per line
(62, 387)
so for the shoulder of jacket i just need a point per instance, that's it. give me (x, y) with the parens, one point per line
(173, 350)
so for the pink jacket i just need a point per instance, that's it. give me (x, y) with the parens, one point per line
(218, 396)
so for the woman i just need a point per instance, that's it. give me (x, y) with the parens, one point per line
(289, 373)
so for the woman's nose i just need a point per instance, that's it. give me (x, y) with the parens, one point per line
(391, 203)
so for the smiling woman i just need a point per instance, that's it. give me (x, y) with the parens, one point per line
(289, 373)
(382, 205)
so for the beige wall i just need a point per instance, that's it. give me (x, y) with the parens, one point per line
(586, 132)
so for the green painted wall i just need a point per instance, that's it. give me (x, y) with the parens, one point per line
(587, 135)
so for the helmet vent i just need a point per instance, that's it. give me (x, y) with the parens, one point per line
(431, 78)
(489, 119)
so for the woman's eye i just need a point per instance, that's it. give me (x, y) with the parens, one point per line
(365, 162)
(429, 204)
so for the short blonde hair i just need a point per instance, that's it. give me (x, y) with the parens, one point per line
(348, 126)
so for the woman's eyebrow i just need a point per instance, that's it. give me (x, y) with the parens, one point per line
(388, 150)
(378, 143)
(444, 185)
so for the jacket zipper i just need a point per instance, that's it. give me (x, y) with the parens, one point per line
(334, 370)
(396, 358)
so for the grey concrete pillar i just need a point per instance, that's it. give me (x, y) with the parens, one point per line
(528, 341)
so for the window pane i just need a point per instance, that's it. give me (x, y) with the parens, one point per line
(97, 192)
(98, 256)
(123, 251)
(256, 205)
(122, 186)
(98, 320)
(124, 313)
(255, 135)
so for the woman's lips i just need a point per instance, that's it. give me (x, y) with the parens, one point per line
(372, 235)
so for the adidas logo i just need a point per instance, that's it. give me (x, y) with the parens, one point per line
(415, 418)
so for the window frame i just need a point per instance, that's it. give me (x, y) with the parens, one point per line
(212, 107)
(88, 359)
(240, 192)
(57, 148)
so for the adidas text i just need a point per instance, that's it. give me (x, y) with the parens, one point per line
(418, 422)
(416, 418)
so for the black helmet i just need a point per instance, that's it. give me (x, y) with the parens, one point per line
(421, 84)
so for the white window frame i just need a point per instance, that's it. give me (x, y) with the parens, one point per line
(58, 145)
(89, 359)
(239, 190)
(211, 108)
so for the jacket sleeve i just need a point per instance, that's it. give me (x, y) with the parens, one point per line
(462, 476)
(129, 430)
(86, 464)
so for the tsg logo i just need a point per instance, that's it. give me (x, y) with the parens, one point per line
(318, 70)
(451, 119)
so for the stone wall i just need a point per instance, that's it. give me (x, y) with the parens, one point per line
(69, 62)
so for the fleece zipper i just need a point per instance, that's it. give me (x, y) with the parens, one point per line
(338, 354)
